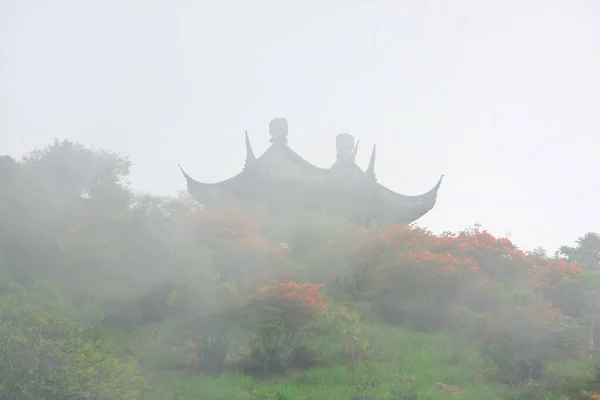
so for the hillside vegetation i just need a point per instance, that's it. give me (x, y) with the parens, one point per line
(105, 295)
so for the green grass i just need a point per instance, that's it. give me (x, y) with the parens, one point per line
(399, 366)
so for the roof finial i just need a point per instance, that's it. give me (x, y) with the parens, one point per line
(346, 150)
(371, 167)
(250, 157)
(278, 128)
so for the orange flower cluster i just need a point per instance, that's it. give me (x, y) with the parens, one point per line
(359, 241)
(544, 312)
(472, 254)
(238, 230)
(307, 295)
(230, 225)
(484, 248)
(473, 251)
(546, 273)
(472, 240)
(446, 265)
(408, 247)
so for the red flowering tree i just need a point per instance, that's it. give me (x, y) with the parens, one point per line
(214, 303)
(240, 253)
(403, 274)
(413, 275)
(550, 272)
(559, 281)
(417, 283)
(497, 258)
(350, 261)
(282, 317)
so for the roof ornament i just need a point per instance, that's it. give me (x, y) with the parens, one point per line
(187, 177)
(278, 128)
(346, 150)
(250, 157)
(355, 151)
(371, 168)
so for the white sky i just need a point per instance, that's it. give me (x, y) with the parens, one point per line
(503, 97)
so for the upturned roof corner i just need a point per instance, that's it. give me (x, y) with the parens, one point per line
(371, 168)
(250, 157)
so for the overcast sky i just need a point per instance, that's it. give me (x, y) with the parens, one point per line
(503, 97)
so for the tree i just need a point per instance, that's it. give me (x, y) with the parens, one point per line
(69, 171)
(586, 251)
(48, 189)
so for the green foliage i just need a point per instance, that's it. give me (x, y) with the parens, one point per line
(74, 170)
(586, 251)
(404, 388)
(47, 354)
(343, 325)
(282, 318)
(174, 286)
(519, 343)
(400, 363)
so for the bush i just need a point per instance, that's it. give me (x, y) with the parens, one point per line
(342, 325)
(282, 318)
(47, 354)
(520, 341)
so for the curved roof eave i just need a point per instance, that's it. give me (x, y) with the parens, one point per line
(402, 199)
(197, 188)
(407, 208)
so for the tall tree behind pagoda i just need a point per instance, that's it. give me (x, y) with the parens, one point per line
(586, 251)
(51, 190)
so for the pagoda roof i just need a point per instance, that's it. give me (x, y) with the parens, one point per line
(280, 175)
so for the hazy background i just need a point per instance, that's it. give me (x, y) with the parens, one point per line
(502, 97)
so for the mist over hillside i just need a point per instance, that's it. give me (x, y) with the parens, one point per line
(324, 260)
(107, 294)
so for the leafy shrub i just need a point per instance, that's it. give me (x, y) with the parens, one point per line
(282, 318)
(520, 341)
(206, 318)
(342, 324)
(404, 388)
(47, 354)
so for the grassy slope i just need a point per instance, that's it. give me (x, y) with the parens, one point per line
(398, 361)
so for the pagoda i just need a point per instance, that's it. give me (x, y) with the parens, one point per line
(283, 181)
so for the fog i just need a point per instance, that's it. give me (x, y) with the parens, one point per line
(499, 96)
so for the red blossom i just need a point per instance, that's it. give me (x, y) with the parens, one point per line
(474, 254)
(290, 293)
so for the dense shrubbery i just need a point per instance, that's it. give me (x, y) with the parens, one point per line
(282, 318)
(233, 296)
(47, 354)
